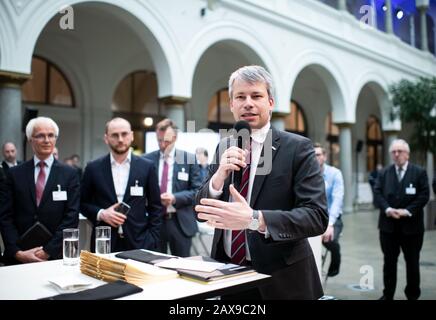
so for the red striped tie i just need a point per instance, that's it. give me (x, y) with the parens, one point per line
(40, 182)
(238, 236)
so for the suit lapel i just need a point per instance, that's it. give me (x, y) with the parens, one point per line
(177, 153)
(130, 181)
(272, 142)
(108, 178)
(30, 173)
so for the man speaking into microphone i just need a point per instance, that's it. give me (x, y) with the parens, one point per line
(265, 218)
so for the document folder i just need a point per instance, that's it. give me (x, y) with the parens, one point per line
(143, 256)
(37, 235)
(219, 274)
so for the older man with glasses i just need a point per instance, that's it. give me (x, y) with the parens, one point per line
(41, 190)
(402, 191)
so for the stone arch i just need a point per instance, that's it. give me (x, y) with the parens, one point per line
(143, 19)
(241, 38)
(331, 76)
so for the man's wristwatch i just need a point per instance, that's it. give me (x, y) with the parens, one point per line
(254, 223)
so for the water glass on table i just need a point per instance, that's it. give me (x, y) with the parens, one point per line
(103, 240)
(71, 246)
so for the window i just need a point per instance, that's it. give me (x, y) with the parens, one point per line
(332, 141)
(135, 99)
(137, 93)
(48, 85)
(374, 142)
(295, 122)
(219, 115)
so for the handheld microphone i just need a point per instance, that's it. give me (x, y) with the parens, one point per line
(241, 134)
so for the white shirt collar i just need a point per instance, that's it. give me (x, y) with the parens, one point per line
(170, 155)
(10, 164)
(404, 167)
(127, 160)
(49, 161)
(259, 135)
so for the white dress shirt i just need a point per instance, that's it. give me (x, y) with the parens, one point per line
(120, 176)
(10, 164)
(258, 138)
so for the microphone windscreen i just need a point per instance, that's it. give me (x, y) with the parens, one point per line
(242, 124)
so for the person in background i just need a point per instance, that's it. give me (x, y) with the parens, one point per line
(119, 177)
(280, 201)
(9, 152)
(179, 180)
(56, 153)
(76, 163)
(40, 190)
(334, 189)
(202, 159)
(401, 191)
(372, 178)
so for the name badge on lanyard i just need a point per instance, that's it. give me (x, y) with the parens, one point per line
(411, 190)
(59, 195)
(136, 191)
(183, 176)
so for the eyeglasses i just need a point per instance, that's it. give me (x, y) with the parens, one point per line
(41, 137)
(398, 151)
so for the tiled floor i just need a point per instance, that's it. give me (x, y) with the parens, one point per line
(362, 260)
(361, 250)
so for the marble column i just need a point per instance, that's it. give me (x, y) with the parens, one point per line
(11, 109)
(346, 152)
(390, 135)
(175, 110)
(388, 17)
(278, 120)
(342, 5)
(424, 35)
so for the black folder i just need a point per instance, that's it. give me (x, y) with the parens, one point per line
(37, 235)
(107, 291)
(142, 256)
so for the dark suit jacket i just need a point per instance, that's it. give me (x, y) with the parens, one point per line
(293, 202)
(6, 167)
(142, 226)
(2, 176)
(390, 193)
(184, 191)
(18, 210)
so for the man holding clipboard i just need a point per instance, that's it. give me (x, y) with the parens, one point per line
(39, 200)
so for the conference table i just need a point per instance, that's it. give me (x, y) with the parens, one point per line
(31, 281)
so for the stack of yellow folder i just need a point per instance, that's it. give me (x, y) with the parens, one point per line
(111, 269)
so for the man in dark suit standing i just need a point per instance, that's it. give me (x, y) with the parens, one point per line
(10, 156)
(203, 161)
(281, 201)
(119, 177)
(179, 180)
(41, 189)
(401, 191)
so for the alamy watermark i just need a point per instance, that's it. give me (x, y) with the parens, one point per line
(66, 22)
(367, 280)
(229, 138)
(368, 18)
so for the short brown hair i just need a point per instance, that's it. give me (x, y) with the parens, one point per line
(319, 145)
(165, 124)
